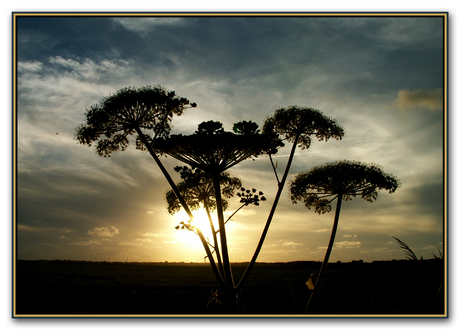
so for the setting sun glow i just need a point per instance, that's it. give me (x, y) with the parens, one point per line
(201, 221)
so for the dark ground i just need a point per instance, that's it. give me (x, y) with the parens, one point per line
(99, 288)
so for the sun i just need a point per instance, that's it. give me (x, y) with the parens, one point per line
(201, 221)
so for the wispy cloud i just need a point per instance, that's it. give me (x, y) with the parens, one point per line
(86, 243)
(130, 243)
(291, 243)
(143, 240)
(147, 24)
(151, 235)
(104, 231)
(347, 245)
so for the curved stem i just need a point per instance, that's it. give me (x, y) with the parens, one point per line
(183, 203)
(270, 216)
(320, 278)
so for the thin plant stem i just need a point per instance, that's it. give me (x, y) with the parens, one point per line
(228, 277)
(183, 203)
(230, 217)
(214, 236)
(274, 168)
(231, 300)
(270, 216)
(322, 271)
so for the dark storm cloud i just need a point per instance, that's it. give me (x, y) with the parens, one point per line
(219, 46)
(362, 55)
(287, 57)
(74, 37)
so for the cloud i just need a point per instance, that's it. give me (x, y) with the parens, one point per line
(147, 24)
(395, 33)
(344, 244)
(347, 244)
(130, 243)
(143, 240)
(87, 70)
(86, 243)
(151, 235)
(422, 98)
(30, 228)
(104, 231)
(30, 66)
(291, 243)
(350, 236)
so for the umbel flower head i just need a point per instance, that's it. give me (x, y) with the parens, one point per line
(145, 110)
(319, 186)
(213, 150)
(300, 124)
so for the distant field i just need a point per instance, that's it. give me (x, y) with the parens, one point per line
(99, 288)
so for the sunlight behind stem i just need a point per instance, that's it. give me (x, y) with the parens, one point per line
(200, 221)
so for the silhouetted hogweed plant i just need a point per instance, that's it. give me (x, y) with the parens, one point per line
(341, 181)
(146, 114)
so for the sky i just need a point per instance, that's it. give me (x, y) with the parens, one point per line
(381, 78)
